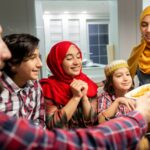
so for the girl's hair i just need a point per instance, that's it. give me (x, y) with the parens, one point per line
(21, 46)
(108, 85)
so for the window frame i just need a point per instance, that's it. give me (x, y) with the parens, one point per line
(95, 22)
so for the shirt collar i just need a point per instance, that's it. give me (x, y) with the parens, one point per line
(13, 86)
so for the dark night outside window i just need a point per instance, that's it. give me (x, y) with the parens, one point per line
(98, 40)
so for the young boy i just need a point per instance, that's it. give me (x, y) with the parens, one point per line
(22, 95)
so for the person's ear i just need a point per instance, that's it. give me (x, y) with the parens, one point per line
(14, 68)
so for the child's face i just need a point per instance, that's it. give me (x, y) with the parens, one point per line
(122, 80)
(145, 28)
(29, 69)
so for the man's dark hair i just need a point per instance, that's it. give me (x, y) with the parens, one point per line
(21, 46)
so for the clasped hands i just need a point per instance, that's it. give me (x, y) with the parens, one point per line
(79, 88)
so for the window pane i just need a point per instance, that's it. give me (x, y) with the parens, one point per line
(103, 39)
(74, 30)
(94, 50)
(103, 59)
(103, 28)
(95, 59)
(98, 40)
(93, 39)
(93, 29)
(103, 50)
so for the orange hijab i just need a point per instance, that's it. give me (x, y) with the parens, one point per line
(138, 50)
(57, 86)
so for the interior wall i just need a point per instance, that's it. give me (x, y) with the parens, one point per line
(17, 16)
(146, 3)
(128, 26)
(113, 48)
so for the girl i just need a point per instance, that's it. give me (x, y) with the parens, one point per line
(112, 103)
(70, 96)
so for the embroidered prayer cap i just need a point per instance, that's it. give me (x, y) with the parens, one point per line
(144, 13)
(114, 65)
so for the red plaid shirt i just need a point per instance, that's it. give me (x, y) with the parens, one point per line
(121, 133)
(27, 102)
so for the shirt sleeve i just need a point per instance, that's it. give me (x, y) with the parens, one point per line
(39, 114)
(104, 101)
(93, 112)
(121, 133)
(54, 117)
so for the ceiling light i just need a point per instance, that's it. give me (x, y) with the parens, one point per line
(66, 12)
(84, 12)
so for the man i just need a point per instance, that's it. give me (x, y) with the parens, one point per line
(4, 54)
(121, 133)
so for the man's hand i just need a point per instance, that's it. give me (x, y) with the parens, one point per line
(143, 106)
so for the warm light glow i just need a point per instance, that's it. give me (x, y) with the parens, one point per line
(66, 12)
(46, 12)
(84, 12)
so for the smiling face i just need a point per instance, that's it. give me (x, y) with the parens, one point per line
(72, 62)
(28, 69)
(145, 28)
(122, 80)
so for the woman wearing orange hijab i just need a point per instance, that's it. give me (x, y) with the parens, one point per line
(139, 60)
(70, 96)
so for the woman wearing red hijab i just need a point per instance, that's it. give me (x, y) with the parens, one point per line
(70, 96)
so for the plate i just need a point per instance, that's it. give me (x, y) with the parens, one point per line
(139, 91)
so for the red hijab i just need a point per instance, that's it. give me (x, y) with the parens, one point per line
(57, 86)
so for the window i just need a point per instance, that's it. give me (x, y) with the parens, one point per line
(74, 31)
(56, 33)
(98, 40)
(77, 29)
